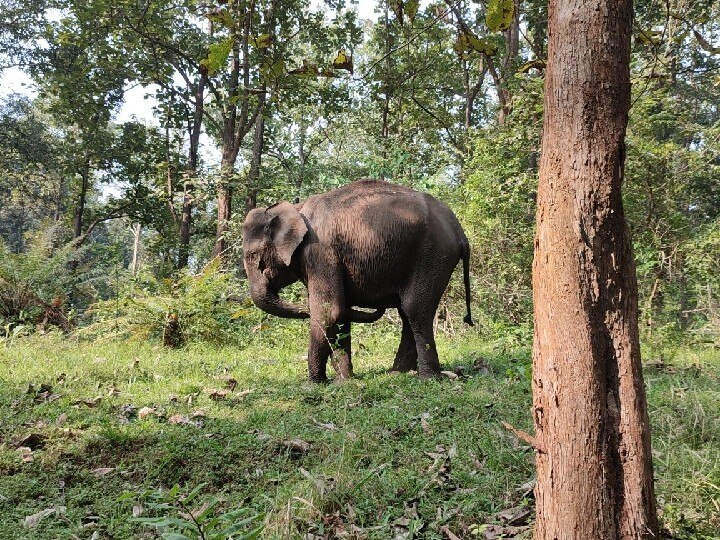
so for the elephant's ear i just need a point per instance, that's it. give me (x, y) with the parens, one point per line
(287, 229)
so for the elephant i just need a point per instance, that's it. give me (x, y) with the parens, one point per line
(369, 244)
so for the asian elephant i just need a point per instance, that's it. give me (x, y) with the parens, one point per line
(369, 244)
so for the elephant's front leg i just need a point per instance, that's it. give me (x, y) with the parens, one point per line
(329, 331)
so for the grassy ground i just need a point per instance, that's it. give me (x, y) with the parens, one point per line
(95, 433)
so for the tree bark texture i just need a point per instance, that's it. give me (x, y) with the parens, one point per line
(594, 468)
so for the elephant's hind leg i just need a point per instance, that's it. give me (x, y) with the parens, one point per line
(406, 358)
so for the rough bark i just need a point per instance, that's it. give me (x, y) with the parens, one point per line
(594, 468)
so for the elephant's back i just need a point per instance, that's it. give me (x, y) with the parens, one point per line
(379, 231)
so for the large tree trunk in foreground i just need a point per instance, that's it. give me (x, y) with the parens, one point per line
(594, 468)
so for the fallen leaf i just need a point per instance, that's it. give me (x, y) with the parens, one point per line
(34, 519)
(450, 374)
(244, 393)
(218, 395)
(92, 403)
(138, 511)
(182, 420)
(26, 454)
(514, 516)
(61, 419)
(200, 413)
(48, 397)
(447, 532)
(493, 532)
(102, 471)
(230, 383)
(145, 412)
(424, 422)
(297, 445)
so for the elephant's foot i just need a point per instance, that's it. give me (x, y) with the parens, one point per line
(405, 363)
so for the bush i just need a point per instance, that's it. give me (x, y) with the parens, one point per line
(36, 285)
(209, 306)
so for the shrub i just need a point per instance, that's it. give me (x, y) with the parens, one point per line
(209, 306)
(36, 285)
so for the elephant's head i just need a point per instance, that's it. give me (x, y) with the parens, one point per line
(270, 237)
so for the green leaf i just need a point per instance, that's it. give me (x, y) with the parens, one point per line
(263, 41)
(467, 42)
(500, 14)
(272, 69)
(218, 55)
(207, 510)
(238, 526)
(411, 9)
(223, 17)
(193, 494)
(175, 536)
(164, 522)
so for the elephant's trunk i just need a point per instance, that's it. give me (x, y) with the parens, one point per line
(270, 302)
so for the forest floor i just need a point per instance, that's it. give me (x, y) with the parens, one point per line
(93, 437)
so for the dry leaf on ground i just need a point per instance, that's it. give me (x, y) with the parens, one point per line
(34, 519)
(145, 412)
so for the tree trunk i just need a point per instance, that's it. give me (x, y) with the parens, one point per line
(594, 468)
(59, 198)
(191, 171)
(82, 199)
(257, 149)
(137, 236)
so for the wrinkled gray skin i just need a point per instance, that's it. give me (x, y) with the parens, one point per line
(369, 244)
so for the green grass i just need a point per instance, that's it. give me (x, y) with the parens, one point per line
(384, 450)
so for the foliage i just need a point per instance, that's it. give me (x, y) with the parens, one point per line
(179, 521)
(499, 208)
(36, 286)
(208, 306)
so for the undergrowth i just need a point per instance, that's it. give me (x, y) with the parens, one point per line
(89, 433)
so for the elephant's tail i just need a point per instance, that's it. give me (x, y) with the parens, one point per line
(466, 276)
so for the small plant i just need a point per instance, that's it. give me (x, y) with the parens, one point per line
(180, 518)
